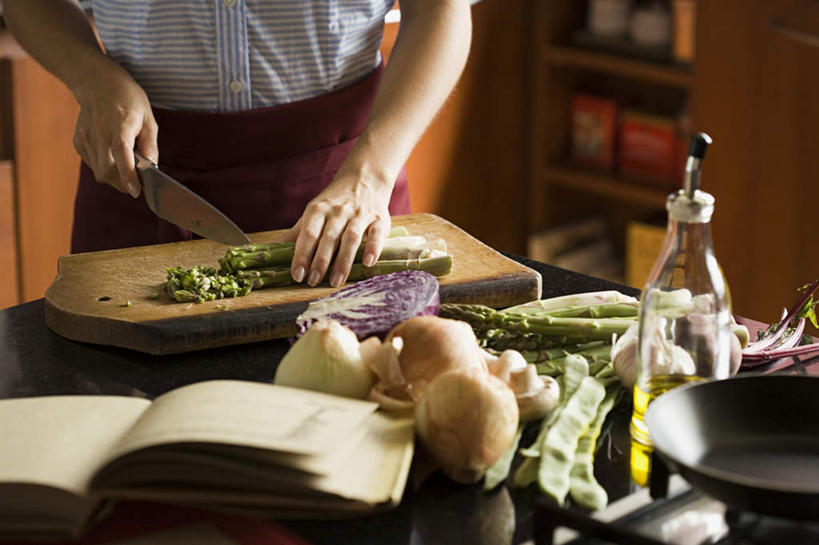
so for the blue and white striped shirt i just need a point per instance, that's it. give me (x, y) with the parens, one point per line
(229, 55)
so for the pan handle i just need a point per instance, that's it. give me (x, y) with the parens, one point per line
(660, 475)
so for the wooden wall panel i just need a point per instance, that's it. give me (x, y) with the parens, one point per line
(46, 168)
(763, 165)
(9, 288)
(468, 167)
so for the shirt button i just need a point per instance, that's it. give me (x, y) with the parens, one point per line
(228, 3)
(236, 86)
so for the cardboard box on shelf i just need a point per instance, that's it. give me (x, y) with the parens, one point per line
(545, 245)
(648, 148)
(685, 16)
(594, 131)
(643, 244)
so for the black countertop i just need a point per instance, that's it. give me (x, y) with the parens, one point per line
(34, 361)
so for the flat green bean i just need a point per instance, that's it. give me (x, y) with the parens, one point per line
(558, 448)
(500, 469)
(583, 487)
(576, 368)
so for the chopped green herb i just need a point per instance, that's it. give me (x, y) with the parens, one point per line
(126, 304)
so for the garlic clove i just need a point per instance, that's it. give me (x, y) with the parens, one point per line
(624, 357)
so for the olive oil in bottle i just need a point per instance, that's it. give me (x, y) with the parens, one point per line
(684, 330)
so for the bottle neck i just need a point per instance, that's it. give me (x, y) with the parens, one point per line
(687, 260)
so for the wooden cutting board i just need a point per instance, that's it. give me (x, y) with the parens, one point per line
(87, 300)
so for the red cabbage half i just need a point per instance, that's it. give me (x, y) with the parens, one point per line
(374, 306)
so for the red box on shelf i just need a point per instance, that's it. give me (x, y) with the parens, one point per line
(594, 130)
(648, 148)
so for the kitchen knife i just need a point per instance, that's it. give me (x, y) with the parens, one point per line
(177, 204)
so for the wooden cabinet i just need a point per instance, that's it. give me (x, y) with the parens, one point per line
(756, 90)
(561, 192)
(36, 201)
(753, 87)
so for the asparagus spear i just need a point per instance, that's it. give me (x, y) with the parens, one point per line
(572, 300)
(438, 264)
(398, 246)
(483, 318)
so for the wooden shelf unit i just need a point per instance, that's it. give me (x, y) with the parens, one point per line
(606, 186)
(618, 65)
(562, 193)
(752, 87)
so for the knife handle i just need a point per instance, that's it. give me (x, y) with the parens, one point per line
(143, 162)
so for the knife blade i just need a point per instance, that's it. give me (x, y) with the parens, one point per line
(177, 204)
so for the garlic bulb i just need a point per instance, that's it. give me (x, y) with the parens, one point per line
(624, 357)
(466, 419)
(327, 358)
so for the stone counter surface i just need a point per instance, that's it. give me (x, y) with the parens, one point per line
(34, 361)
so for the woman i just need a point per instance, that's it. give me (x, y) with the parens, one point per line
(280, 113)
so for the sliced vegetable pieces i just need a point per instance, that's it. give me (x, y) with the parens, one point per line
(200, 284)
(783, 338)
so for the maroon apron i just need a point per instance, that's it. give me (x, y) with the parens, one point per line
(260, 167)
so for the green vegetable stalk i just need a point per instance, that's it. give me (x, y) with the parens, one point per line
(255, 256)
(483, 318)
(438, 265)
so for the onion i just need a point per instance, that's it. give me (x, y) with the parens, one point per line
(418, 350)
(466, 419)
(327, 358)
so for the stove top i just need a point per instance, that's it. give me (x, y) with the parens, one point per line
(685, 517)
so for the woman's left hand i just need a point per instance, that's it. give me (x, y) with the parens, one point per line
(351, 209)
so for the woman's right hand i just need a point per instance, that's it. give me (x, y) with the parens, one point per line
(115, 118)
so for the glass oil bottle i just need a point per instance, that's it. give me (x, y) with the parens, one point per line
(685, 308)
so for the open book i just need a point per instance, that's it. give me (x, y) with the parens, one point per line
(237, 446)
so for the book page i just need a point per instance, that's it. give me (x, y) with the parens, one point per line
(60, 441)
(376, 470)
(248, 414)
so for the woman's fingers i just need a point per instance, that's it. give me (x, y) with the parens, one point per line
(348, 244)
(312, 225)
(115, 117)
(122, 151)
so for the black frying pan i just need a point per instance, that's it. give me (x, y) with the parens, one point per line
(749, 441)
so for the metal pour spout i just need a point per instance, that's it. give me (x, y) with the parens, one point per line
(696, 153)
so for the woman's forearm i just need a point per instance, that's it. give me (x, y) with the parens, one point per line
(59, 36)
(424, 66)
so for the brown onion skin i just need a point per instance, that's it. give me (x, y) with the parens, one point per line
(432, 346)
(466, 419)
